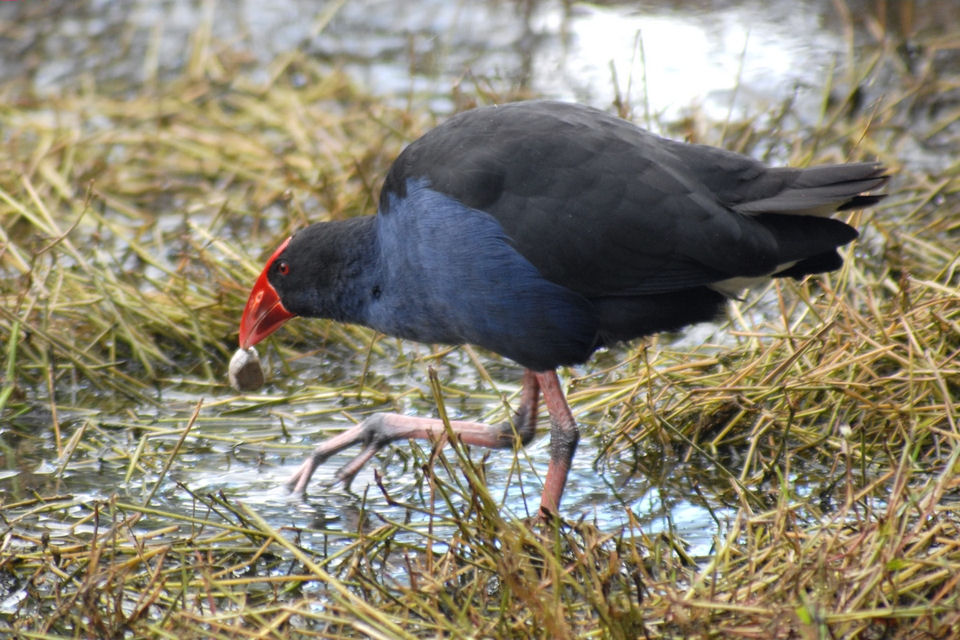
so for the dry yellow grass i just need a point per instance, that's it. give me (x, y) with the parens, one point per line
(131, 228)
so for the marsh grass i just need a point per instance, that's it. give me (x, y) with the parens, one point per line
(132, 225)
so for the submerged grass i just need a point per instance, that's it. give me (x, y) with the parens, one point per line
(822, 433)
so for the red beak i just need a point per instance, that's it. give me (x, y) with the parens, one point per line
(264, 312)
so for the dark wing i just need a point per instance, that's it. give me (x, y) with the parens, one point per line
(604, 208)
(750, 186)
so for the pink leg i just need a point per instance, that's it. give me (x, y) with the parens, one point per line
(564, 437)
(381, 429)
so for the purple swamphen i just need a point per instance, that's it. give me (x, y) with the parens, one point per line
(543, 231)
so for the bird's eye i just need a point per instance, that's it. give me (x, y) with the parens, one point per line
(283, 268)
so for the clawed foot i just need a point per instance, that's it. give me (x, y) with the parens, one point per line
(373, 433)
(381, 429)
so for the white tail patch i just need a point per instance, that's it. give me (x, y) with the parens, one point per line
(733, 287)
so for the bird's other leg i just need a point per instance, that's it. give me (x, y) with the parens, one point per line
(380, 429)
(564, 437)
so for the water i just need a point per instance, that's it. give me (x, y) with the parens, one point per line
(666, 58)
(721, 59)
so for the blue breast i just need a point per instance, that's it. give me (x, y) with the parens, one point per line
(449, 274)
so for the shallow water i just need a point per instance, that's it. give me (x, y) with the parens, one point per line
(664, 58)
(722, 59)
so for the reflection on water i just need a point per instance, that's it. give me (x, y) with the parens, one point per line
(663, 57)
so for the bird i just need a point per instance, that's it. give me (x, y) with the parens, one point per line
(543, 231)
